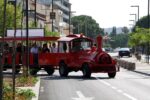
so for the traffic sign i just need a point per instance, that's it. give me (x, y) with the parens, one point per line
(52, 15)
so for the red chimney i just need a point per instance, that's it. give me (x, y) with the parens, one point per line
(99, 43)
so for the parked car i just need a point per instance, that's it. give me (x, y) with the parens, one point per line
(124, 52)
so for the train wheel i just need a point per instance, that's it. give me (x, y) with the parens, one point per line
(63, 70)
(86, 71)
(33, 71)
(49, 70)
(112, 75)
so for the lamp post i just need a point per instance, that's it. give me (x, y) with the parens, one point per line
(148, 14)
(52, 13)
(27, 36)
(69, 18)
(2, 50)
(148, 28)
(138, 10)
(135, 18)
(70, 12)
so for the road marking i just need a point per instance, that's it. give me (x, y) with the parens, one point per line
(120, 91)
(116, 89)
(104, 82)
(82, 97)
(42, 89)
(127, 95)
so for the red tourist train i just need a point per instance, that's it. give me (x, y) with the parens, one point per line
(73, 53)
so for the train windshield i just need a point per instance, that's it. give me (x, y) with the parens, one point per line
(81, 44)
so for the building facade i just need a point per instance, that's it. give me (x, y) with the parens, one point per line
(62, 14)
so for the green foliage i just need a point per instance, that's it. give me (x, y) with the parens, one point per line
(25, 81)
(143, 22)
(119, 40)
(20, 94)
(125, 30)
(27, 93)
(114, 31)
(49, 33)
(32, 24)
(86, 25)
(139, 37)
(9, 16)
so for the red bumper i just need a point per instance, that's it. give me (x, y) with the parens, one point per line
(104, 68)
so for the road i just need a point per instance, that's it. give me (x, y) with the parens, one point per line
(126, 86)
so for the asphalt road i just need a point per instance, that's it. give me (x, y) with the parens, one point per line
(126, 86)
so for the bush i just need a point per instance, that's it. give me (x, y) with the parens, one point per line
(26, 81)
(20, 94)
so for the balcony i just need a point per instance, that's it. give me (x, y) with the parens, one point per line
(61, 6)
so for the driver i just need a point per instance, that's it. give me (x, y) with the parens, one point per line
(77, 46)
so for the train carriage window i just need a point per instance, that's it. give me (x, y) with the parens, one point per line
(63, 47)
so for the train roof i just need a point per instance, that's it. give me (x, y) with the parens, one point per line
(30, 38)
(72, 37)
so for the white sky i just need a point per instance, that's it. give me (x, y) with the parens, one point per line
(109, 13)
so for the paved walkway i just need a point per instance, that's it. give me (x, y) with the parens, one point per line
(141, 66)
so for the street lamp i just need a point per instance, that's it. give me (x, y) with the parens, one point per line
(138, 10)
(135, 17)
(148, 28)
(70, 13)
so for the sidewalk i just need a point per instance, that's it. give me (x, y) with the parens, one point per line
(141, 67)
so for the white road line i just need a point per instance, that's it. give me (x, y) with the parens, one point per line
(104, 82)
(82, 97)
(131, 97)
(115, 88)
(120, 91)
(80, 94)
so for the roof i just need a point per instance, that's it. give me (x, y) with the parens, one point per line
(30, 38)
(66, 39)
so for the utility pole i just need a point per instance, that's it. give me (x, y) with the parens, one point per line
(148, 30)
(14, 51)
(35, 13)
(69, 18)
(52, 14)
(27, 38)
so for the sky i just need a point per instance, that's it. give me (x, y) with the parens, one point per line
(109, 13)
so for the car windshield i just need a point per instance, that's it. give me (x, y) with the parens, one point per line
(124, 49)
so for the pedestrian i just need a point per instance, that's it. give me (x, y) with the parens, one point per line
(54, 48)
(34, 50)
(45, 49)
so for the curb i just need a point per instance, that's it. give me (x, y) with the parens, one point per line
(36, 89)
(143, 73)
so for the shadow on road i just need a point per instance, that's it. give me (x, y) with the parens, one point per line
(80, 78)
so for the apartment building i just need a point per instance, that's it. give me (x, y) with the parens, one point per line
(62, 14)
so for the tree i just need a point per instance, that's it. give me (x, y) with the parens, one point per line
(143, 22)
(86, 25)
(114, 31)
(9, 16)
(119, 40)
(139, 37)
(125, 29)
